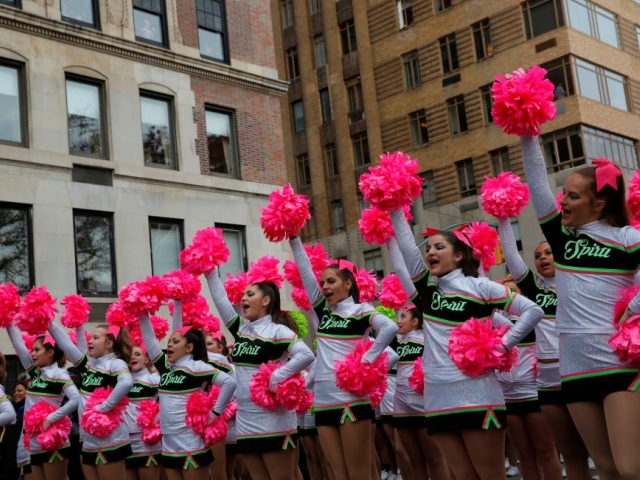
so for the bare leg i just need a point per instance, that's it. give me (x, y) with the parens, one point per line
(411, 442)
(390, 443)
(310, 445)
(375, 465)
(524, 446)
(401, 454)
(545, 448)
(219, 465)
(90, 472)
(173, 473)
(280, 465)
(38, 472)
(112, 470)
(231, 466)
(256, 467)
(622, 410)
(485, 448)
(201, 473)
(132, 474)
(331, 443)
(436, 464)
(455, 453)
(357, 455)
(56, 470)
(149, 473)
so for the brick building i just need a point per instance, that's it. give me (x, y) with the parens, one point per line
(124, 128)
(369, 76)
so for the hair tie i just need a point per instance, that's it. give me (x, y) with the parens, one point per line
(113, 330)
(606, 174)
(346, 265)
(49, 339)
(463, 238)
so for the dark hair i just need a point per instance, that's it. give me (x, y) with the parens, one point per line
(58, 354)
(615, 211)
(3, 369)
(223, 342)
(121, 345)
(271, 290)
(196, 338)
(415, 313)
(469, 264)
(346, 274)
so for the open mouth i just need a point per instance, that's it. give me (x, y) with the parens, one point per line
(433, 262)
(328, 295)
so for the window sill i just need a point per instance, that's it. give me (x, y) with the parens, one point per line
(164, 46)
(77, 23)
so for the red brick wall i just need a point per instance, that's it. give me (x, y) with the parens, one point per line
(258, 129)
(187, 22)
(251, 32)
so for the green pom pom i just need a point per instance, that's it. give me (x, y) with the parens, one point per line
(389, 312)
(301, 320)
(315, 344)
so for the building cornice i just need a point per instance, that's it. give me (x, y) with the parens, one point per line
(139, 52)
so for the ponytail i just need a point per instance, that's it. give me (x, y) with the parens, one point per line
(121, 344)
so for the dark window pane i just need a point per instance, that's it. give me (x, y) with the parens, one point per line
(298, 117)
(10, 109)
(148, 26)
(84, 117)
(157, 140)
(325, 104)
(94, 253)
(221, 141)
(15, 261)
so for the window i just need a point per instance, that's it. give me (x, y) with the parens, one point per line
(337, 211)
(150, 22)
(235, 238)
(13, 114)
(95, 257)
(354, 97)
(321, 51)
(310, 231)
(331, 159)
(600, 84)
(362, 203)
(466, 178)
(500, 160)
(449, 53)
(85, 107)
(348, 37)
(361, 149)
(419, 128)
(457, 115)
(293, 68)
(405, 13)
(286, 8)
(325, 105)
(81, 12)
(487, 104)
(16, 261)
(303, 170)
(595, 21)
(559, 72)
(482, 39)
(638, 35)
(411, 69)
(563, 149)
(298, 116)
(221, 140)
(373, 261)
(316, 6)
(442, 5)
(167, 240)
(212, 29)
(515, 226)
(157, 131)
(542, 16)
(12, 3)
(618, 149)
(429, 195)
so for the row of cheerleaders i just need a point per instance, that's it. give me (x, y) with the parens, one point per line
(552, 355)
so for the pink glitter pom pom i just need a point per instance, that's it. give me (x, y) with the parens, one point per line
(73, 336)
(559, 199)
(318, 257)
(392, 295)
(181, 285)
(375, 226)
(53, 437)
(234, 286)
(207, 251)
(633, 196)
(504, 196)
(147, 420)
(377, 394)
(306, 402)
(28, 340)
(484, 241)
(101, 424)
(198, 315)
(160, 327)
(358, 377)
(199, 416)
(301, 299)
(285, 214)
(625, 342)
(38, 308)
(209, 324)
(522, 101)
(367, 285)
(292, 274)
(117, 317)
(265, 269)
(626, 295)
(9, 304)
(198, 409)
(142, 297)
(392, 184)
(289, 393)
(76, 311)
(416, 380)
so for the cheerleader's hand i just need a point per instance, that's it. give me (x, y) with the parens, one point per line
(46, 424)
(100, 409)
(626, 316)
(273, 384)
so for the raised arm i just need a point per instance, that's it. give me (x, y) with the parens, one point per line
(227, 385)
(306, 270)
(300, 357)
(406, 242)
(386, 331)
(400, 268)
(63, 341)
(149, 337)
(535, 170)
(73, 400)
(515, 263)
(123, 385)
(18, 344)
(81, 340)
(529, 315)
(176, 318)
(220, 299)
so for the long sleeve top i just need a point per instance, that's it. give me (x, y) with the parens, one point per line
(452, 299)
(594, 262)
(409, 347)
(7, 412)
(145, 387)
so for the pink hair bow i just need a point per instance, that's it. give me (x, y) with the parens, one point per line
(217, 336)
(346, 264)
(606, 174)
(462, 237)
(183, 330)
(113, 330)
(49, 339)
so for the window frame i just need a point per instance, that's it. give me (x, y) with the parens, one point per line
(325, 105)
(303, 170)
(499, 158)
(296, 119)
(173, 134)
(359, 141)
(23, 109)
(348, 39)
(603, 76)
(114, 275)
(529, 5)
(319, 40)
(337, 212)
(331, 160)
(310, 230)
(287, 13)
(552, 139)
(442, 5)
(405, 13)
(233, 139)
(28, 209)
(429, 186)
(242, 230)
(594, 12)
(293, 63)
(14, 3)
(315, 6)
(95, 9)
(565, 65)
(450, 64)
(411, 70)
(374, 255)
(163, 24)
(614, 142)
(467, 183)
(415, 121)
(481, 33)
(166, 221)
(486, 99)
(456, 104)
(224, 33)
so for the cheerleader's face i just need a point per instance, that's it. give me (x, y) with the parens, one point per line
(407, 323)
(440, 257)
(578, 204)
(19, 393)
(177, 347)
(40, 356)
(213, 345)
(334, 288)
(99, 345)
(254, 303)
(543, 258)
(139, 360)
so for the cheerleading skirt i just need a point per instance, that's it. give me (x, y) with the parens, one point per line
(185, 450)
(590, 370)
(548, 384)
(107, 454)
(50, 456)
(386, 405)
(144, 455)
(334, 407)
(408, 408)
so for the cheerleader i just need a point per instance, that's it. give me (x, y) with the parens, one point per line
(541, 289)
(596, 255)
(7, 412)
(343, 419)
(144, 462)
(465, 414)
(266, 440)
(183, 370)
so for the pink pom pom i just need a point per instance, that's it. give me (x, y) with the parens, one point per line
(291, 392)
(367, 285)
(74, 337)
(234, 286)
(358, 377)
(209, 324)
(633, 196)
(318, 257)
(9, 304)
(392, 295)
(375, 226)
(504, 196)
(265, 269)
(147, 420)
(199, 408)
(101, 424)
(199, 416)
(146, 296)
(477, 349)
(216, 431)
(207, 250)
(285, 214)
(194, 313)
(38, 308)
(53, 437)
(117, 317)
(393, 184)
(259, 387)
(559, 199)
(306, 402)
(301, 299)
(28, 340)
(484, 240)
(522, 101)
(76, 311)
(181, 285)
(626, 341)
(377, 394)
(416, 380)
(626, 295)
(292, 274)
